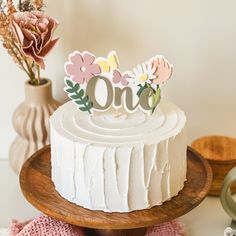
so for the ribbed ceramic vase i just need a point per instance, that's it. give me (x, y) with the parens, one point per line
(31, 122)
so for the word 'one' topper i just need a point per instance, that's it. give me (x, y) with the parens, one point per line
(97, 83)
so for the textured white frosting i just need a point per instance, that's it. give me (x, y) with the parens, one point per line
(116, 161)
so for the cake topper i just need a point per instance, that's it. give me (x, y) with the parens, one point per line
(97, 83)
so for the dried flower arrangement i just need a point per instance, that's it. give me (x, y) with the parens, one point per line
(26, 32)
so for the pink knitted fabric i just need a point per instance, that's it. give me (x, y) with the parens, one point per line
(44, 226)
(173, 228)
(47, 226)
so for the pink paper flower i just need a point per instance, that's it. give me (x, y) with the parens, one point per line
(119, 78)
(34, 31)
(81, 67)
(163, 70)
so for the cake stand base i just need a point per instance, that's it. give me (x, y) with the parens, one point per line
(124, 232)
(39, 190)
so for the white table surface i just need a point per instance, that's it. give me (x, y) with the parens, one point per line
(208, 219)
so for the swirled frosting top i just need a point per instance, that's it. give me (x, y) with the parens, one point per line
(118, 127)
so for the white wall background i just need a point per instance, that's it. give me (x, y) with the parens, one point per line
(198, 37)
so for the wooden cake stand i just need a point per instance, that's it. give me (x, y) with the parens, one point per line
(38, 189)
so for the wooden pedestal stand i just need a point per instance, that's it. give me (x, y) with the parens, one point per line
(38, 189)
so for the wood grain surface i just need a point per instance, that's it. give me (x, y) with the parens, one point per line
(220, 151)
(216, 148)
(37, 187)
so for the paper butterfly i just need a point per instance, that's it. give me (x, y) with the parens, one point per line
(109, 63)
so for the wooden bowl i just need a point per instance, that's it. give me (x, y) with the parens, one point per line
(220, 151)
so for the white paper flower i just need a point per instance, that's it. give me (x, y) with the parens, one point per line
(142, 74)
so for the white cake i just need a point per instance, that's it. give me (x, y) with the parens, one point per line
(118, 161)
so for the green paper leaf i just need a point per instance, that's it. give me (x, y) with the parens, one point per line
(69, 83)
(76, 87)
(90, 105)
(79, 102)
(83, 108)
(86, 108)
(70, 90)
(141, 89)
(77, 94)
(81, 93)
(156, 97)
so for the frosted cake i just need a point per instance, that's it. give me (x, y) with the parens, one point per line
(114, 157)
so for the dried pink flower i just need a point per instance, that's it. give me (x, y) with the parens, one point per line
(34, 31)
